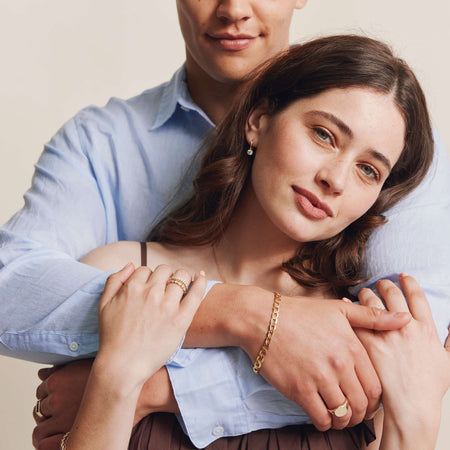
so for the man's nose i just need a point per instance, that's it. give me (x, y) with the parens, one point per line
(234, 10)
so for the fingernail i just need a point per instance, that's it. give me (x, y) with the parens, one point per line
(403, 275)
(346, 300)
(202, 273)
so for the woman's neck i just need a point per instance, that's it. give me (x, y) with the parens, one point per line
(252, 250)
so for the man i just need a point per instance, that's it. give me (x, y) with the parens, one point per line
(82, 198)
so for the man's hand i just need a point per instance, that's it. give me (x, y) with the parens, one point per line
(315, 357)
(60, 393)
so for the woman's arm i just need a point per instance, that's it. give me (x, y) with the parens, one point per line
(141, 322)
(412, 365)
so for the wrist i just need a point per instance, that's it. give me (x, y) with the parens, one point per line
(114, 379)
(231, 316)
(411, 429)
(247, 324)
(156, 395)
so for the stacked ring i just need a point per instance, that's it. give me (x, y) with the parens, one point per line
(179, 282)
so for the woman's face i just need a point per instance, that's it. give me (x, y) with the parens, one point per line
(320, 163)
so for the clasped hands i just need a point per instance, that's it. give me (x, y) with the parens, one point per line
(315, 359)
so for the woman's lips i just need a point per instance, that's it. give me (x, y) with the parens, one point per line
(231, 42)
(311, 205)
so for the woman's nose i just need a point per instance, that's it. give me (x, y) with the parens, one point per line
(333, 177)
(234, 10)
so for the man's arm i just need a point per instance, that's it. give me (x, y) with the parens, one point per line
(88, 190)
(416, 240)
(303, 363)
(45, 293)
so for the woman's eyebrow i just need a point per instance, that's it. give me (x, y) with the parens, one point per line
(331, 117)
(348, 132)
(381, 158)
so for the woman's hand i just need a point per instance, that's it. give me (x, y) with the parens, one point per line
(142, 319)
(412, 364)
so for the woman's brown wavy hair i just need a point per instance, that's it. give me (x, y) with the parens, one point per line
(304, 71)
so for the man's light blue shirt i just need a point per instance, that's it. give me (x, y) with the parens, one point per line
(108, 175)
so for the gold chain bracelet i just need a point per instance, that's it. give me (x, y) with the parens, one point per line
(63, 445)
(272, 327)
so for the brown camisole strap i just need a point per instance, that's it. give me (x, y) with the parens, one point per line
(143, 253)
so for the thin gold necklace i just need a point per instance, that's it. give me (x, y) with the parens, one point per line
(216, 262)
(219, 271)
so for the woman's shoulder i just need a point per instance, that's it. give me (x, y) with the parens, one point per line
(114, 256)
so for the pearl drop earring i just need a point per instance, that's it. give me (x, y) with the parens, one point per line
(250, 149)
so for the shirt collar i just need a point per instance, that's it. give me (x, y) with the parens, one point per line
(176, 94)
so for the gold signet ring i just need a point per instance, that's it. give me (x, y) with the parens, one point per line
(341, 410)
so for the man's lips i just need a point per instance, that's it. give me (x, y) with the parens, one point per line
(234, 42)
(311, 205)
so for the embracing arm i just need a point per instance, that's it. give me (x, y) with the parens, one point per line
(62, 219)
(88, 190)
(416, 240)
(302, 361)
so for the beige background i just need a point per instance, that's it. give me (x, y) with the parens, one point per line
(58, 56)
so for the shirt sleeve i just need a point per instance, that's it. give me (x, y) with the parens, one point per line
(416, 240)
(44, 292)
(242, 401)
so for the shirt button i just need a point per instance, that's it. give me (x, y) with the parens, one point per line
(73, 346)
(218, 431)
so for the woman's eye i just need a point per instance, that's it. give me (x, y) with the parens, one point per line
(323, 135)
(369, 171)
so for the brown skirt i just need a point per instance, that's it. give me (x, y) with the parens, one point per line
(163, 432)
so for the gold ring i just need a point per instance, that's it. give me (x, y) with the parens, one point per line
(179, 282)
(37, 410)
(341, 410)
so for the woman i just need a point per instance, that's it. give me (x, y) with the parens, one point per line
(328, 136)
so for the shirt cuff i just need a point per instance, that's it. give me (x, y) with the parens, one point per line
(49, 347)
(219, 395)
(205, 416)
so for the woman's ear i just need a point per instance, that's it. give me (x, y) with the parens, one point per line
(257, 122)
